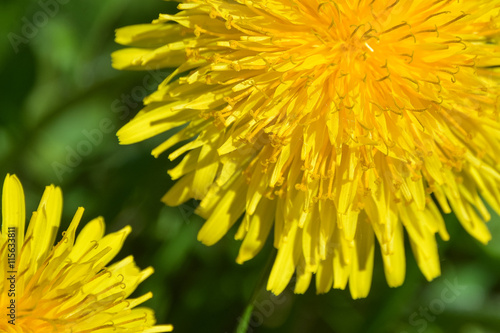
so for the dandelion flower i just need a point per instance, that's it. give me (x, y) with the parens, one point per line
(66, 287)
(332, 123)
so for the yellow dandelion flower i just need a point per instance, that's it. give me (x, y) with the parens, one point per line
(66, 287)
(335, 122)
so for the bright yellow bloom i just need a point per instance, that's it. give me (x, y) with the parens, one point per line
(66, 287)
(336, 122)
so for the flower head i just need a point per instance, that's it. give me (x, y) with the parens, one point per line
(66, 287)
(335, 122)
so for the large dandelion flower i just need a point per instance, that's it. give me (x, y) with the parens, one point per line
(335, 122)
(66, 287)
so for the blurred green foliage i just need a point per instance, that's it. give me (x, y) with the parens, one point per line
(61, 106)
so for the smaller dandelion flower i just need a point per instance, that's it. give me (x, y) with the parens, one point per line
(66, 287)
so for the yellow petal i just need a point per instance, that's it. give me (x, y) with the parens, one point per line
(362, 262)
(225, 214)
(13, 211)
(286, 261)
(260, 226)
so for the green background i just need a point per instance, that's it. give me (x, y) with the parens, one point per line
(61, 106)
